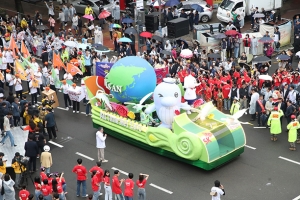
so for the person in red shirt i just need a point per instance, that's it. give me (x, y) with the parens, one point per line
(95, 185)
(141, 183)
(57, 188)
(59, 177)
(81, 172)
(207, 93)
(46, 190)
(37, 186)
(116, 186)
(106, 180)
(43, 174)
(99, 174)
(49, 178)
(129, 185)
(225, 90)
(23, 194)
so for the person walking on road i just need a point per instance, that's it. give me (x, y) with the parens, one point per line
(293, 126)
(129, 186)
(31, 151)
(217, 190)
(274, 123)
(46, 159)
(50, 123)
(116, 186)
(81, 172)
(100, 138)
(141, 183)
(6, 127)
(106, 181)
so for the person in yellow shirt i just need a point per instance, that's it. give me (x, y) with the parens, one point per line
(2, 164)
(293, 126)
(18, 168)
(88, 10)
(24, 24)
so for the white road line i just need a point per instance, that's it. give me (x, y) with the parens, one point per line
(292, 161)
(297, 198)
(259, 127)
(121, 171)
(250, 147)
(160, 188)
(82, 155)
(56, 144)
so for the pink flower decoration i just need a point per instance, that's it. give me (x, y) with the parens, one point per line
(177, 112)
(198, 103)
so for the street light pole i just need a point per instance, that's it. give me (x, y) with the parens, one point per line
(159, 17)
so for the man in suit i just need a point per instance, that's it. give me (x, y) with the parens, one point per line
(285, 92)
(289, 111)
(128, 50)
(170, 15)
(31, 151)
(183, 14)
(260, 109)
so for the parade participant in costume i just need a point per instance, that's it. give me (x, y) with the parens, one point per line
(293, 126)
(67, 99)
(235, 107)
(274, 123)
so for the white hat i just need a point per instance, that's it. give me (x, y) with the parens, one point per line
(1, 95)
(46, 148)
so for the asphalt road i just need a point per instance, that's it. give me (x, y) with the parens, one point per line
(265, 171)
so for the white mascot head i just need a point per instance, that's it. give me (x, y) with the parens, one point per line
(190, 84)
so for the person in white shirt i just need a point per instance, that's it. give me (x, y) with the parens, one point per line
(269, 105)
(68, 76)
(230, 26)
(6, 127)
(292, 96)
(9, 80)
(18, 86)
(45, 77)
(38, 76)
(100, 139)
(217, 191)
(28, 72)
(35, 64)
(67, 99)
(268, 94)
(9, 59)
(252, 104)
(33, 92)
(76, 104)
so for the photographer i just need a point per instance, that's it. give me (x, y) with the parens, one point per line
(18, 168)
(217, 191)
(2, 164)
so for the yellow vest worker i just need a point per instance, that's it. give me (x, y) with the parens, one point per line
(293, 126)
(88, 10)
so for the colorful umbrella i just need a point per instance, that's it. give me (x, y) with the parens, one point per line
(90, 17)
(231, 32)
(104, 14)
(156, 3)
(124, 39)
(171, 3)
(127, 20)
(266, 40)
(186, 53)
(116, 26)
(265, 77)
(130, 31)
(197, 7)
(146, 34)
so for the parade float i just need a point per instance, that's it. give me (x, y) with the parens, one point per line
(131, 107)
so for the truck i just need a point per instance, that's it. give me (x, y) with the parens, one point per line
(243, 7)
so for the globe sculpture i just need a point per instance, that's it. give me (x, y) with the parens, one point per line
(130, 79)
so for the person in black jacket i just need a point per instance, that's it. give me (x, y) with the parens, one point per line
(289, 111)
(191, 20)
(79, 25)
(183, 14)
(170, 15)
(31, 151)
(45, 56)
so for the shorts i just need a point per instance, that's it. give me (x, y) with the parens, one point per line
(190, 102)
(74, 27)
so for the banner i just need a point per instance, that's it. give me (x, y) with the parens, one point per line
(73, 94)
(24, 50)
(55, 78)
(160, 74)
(27, 63)
(102, 68)
(20, 70)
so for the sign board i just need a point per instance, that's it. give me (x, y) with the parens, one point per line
(76, 94)
(51, 94)
(139, 4)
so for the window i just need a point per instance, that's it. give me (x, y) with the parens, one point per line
(238, 5)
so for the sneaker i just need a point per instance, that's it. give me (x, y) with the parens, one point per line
(67, 108)
(77, 111)
(73, 111)
(85, 195)
(38, 95)
(86, 115)
(15, 145)
(104, 160)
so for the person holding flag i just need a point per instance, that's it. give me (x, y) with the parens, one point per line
(38, 76)
(9, 80)
(65, 87)
(33, 85)
(18, 86)
(8, 54)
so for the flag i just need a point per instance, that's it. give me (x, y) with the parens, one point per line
(161, 74)
(27, 63)
(24, 50)
(13, 46)
(73, 70)
(20, 70)
(57, 62)
(24, 63)
(56, 80)
(102, 68)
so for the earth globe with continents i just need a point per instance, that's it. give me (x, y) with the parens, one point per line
(130, 79)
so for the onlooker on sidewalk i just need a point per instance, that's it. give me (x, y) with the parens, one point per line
(100, 138)
(99, 174)
(81, 172)
(129, 186)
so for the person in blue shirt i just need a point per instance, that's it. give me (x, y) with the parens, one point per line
(87, 63)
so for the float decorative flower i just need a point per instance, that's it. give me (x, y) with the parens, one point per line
(131, 115)
(177, 112)
(210, 116)
(122, 110)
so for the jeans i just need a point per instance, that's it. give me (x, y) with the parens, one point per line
(67, 100)
(16, 120)
(128, 198)
(47, 170)
(64, 186)
(119, 197)
(276, 49)
(18, 178)
(83, 183)
(227, 104)
(236, 52)
(11, 138)
(108, 193)
(37, 194)
(48, 197)
(96, 195)
(88, 108)
(141, 194)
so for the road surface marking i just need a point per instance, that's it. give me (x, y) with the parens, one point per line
(250, 147)
(259, 127)
(56, 144)
(160, 188)
(297, 198)
(292, 161)
(121, 171)
(82, 155)
(65, 140)
(61, 108)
